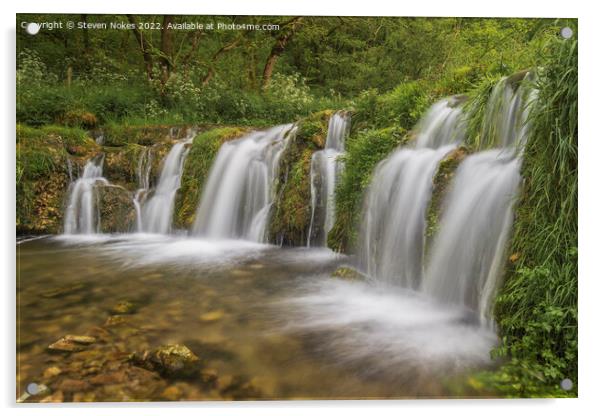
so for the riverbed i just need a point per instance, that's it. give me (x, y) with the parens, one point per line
(266, 323)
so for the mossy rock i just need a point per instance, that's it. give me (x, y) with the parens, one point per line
(348, 273)
(174, 360)
(441, 185)
(42, 175)
(291, 213)
(117, 211)
(119, 135)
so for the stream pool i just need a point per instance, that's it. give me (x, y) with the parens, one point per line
(266, 322)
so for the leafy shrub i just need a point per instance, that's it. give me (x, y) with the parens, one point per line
(364, 152)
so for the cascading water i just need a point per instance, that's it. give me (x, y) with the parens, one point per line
(468, 250)
(325, 170)
(157, 211)
(394, 215)
(238, 193)
(145, 163)
(81, 216)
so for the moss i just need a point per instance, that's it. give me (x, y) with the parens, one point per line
(441, 185)
(291, 214)
(203, 150)
(42, 174)
(348, 273)
(365, 149)
(116, 208)
(146, 135)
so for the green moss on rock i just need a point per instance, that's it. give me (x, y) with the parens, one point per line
(122, 135)
(42, 177)
(441, 185)
(365, 149)
(117, 211)
(291, 213)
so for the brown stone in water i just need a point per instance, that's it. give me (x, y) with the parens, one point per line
(63, 345)
(124, 308)
(172, 393)
(212, 316)
(70, 385)
(56, 397)
(172, 360)
(51, 372)
(80, 339)
(114, 320)
(115, 377)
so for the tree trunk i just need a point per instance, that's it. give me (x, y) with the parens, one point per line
(144, 47)
(277, 50)
(166, 49)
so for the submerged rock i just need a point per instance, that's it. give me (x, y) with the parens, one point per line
(51, 372)
(124, 307)
(212, 316)
(172, 360)
(348, 273)
(80, 339)
(72, 343)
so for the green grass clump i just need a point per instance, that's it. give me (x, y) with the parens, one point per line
(365, 149)
(537, 307)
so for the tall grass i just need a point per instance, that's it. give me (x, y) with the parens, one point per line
(537, 307)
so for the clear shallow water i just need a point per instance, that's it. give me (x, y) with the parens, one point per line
(278, 320)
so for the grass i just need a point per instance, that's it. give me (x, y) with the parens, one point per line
(537, 307)
(365, 149)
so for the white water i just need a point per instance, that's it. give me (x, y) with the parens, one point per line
(81, 215)
(238, 193)
(145, 163)
(157, 211)
(325, 170)
(394, 215)
(469, 248)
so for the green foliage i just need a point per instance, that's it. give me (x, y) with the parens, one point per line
(537, 307)
(365, 150)
(401, 107)
(41, 178)
(203, 150)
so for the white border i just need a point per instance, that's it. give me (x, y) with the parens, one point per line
(590, 159)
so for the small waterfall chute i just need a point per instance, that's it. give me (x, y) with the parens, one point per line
(469, 248)
(143, 171)
(326, 168)
(157, 211)
(394, 215)
(239, 190)
(81, 213)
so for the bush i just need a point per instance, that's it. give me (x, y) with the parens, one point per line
(364, 152)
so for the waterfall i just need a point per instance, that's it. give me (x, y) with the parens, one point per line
(394, 214)
(157, 211)
(238, 193)
(81, 216)
(469, 249)
(145, 163)
(325, 170)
